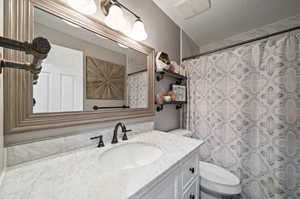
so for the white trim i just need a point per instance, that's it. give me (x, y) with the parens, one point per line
(180, 61)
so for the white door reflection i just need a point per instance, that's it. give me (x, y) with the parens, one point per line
(60, 87)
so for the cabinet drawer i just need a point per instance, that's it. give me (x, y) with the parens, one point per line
(190, 170)
(192, 191)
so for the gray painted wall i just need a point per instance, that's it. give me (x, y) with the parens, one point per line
(169, 118)
(189, 47)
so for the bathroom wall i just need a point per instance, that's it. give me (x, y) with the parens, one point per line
(188, 46)
(2, 155)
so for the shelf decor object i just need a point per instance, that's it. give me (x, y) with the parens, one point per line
(162, 61)
(180, 91)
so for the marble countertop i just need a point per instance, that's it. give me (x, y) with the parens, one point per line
(78, 174)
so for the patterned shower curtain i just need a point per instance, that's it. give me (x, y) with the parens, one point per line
(245, 104)
(137, 90)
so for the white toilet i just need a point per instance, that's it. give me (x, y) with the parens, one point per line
(215, 182)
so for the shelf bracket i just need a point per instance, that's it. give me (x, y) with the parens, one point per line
(159, 107)
(179, 106)
(160, 76)
(179, 81)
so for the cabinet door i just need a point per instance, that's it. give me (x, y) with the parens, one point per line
(192, 191)
(167, 189)
(190, 170)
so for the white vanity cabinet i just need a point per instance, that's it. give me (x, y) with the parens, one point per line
(180, 182)
(95, 173)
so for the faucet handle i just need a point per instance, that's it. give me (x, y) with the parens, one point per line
(125, 135)
(101, 143)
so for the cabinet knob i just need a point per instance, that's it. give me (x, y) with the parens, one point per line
(192, 170)
(192, 196)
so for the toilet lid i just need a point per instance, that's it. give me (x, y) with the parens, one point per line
(217, 174)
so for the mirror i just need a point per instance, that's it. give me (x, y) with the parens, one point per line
(90, 65)
(85, 71)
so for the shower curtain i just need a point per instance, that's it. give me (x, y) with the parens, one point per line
(245, 103)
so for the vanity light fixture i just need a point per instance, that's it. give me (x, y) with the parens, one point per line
(115, 18)
(138, 31)
(112, 9)
(84, 6)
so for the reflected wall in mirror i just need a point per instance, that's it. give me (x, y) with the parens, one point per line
(85, 70)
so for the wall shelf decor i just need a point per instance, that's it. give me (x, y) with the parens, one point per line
(179, 80)
(160, 106)
(161, 74)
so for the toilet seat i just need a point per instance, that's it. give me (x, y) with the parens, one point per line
(219, 180)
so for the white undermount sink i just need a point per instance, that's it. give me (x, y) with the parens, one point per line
(129, 155)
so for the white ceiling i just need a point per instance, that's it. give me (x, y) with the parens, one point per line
(226, 18)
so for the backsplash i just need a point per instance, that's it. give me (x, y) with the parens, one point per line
(37, 150)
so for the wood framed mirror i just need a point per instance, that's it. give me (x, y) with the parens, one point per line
(22, 18)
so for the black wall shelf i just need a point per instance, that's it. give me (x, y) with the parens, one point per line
(160, 106)
(160, 75)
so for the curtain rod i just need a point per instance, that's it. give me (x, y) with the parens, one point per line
(242, 43)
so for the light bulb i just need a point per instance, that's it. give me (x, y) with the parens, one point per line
(138, 31)
(115, 18)
(85, 6)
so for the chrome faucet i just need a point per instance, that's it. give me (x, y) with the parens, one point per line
(124, 130)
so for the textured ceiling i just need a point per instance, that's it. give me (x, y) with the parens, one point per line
(226, 18)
